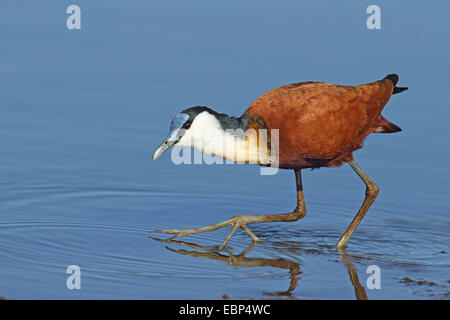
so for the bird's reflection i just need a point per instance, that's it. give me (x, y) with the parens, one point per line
(241, 260)
(360, 293)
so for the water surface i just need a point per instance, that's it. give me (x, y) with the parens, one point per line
(81, 113)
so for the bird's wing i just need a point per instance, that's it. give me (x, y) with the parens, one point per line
(320, 120)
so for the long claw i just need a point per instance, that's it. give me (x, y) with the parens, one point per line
(236, 222)
(242, 221)
(170, 231)
(228, 237)
(251, 234)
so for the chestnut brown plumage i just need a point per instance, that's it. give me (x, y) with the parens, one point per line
(320, 125)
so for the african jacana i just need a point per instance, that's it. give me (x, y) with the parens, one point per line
(319, 125)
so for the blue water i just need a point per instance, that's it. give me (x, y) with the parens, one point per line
(81, 112)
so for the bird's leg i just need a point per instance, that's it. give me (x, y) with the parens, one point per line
(371, 194)
(241, 221)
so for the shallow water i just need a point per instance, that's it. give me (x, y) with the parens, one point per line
(82, 112)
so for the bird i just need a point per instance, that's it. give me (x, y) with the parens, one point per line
(316, 125)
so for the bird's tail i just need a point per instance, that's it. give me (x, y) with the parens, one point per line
(394, 78)
(381, 125)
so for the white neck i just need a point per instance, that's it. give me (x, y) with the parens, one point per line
(207, 135)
